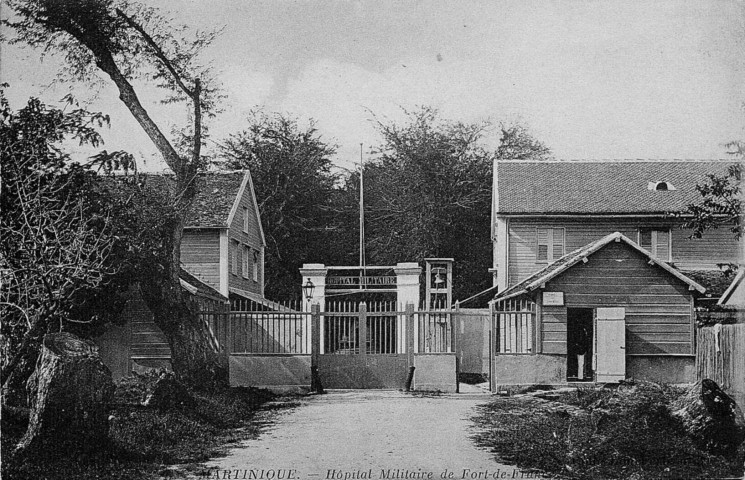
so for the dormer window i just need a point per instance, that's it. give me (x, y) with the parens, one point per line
(660, 186)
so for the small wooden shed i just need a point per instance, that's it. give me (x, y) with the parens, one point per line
(605, 312)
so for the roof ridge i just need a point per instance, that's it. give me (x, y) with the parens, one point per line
(567, 261)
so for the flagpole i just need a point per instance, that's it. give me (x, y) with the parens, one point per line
(362, 218)
(362, 210)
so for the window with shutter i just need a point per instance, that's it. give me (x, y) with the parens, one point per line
(234, 258)
(656, 241)
(244, 263)
(256, 267)
(542, 251)
(550, 244)
(558, 243)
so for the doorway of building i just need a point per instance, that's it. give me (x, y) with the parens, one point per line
(579, 344)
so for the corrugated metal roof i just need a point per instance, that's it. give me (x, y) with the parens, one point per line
(600, 187)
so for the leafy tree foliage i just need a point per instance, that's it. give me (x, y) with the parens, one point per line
(127, 40)
(721, 203)
(517, 143)
(57, 244)
(429, 194)
(291, 169)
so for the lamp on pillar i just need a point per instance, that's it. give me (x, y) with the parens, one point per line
(308, 289)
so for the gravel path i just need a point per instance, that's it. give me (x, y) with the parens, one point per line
(367, 435)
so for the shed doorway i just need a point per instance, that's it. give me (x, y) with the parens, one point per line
(579, 344)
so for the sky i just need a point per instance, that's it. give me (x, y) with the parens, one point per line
(591, 79)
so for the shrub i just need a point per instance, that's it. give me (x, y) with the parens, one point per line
(626, 432)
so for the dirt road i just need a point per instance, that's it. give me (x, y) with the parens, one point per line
(367, 435)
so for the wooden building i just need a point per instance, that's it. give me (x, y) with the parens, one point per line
(223, 243)
(137, 344)
(605, 312)
(544, 209)
(222, 260)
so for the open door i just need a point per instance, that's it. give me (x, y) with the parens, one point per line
(610, 344)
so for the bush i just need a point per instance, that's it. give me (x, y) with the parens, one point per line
(627, 432)
(143, 439)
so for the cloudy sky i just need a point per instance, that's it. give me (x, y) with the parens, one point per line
(592, 79)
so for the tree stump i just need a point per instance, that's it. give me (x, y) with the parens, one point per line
(711, 418)
(72, 392)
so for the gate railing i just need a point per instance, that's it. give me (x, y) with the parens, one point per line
(384, 331)
(514, 326)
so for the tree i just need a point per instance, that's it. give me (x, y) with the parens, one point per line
(126, 41)
(291, 169)
(516, 143)
(56, 245)
(721, 203)
(429, 194)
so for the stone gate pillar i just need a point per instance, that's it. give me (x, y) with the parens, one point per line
(316, 273)
(407, 291)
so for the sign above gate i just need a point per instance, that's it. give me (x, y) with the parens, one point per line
(364, 281)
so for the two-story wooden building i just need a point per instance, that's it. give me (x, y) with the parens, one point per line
(222, 260)
(223, 243)
(596, 279)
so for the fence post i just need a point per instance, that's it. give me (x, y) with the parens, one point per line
(493, 332)
(454, 319)
(315, 329)
(410, 343)
(362, 329)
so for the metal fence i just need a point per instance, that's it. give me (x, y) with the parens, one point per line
(345, 329)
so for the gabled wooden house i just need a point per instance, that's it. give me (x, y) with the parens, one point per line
(595, 279)
(544, 209)
(607, 311)
(222, 259)
(223, 243)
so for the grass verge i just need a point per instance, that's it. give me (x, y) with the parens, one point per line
(622, 433)
(144, 441)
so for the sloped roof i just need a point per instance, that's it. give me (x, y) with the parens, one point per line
(215, 200)
(732, 288)
(217, 194)
(599, 187)
(564, 263)
(195, 285)
(715, 281)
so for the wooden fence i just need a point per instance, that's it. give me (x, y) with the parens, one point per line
(720, 357)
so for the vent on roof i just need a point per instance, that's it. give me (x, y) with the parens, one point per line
(661, 186)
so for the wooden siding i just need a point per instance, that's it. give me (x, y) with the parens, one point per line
(200, 255)
(252, 239)
(137, 343)
(717, 246)
(721, 357)
(658, 306)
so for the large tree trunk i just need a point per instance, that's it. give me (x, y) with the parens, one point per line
(71, 392)
(711, 418)
(195, 361)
